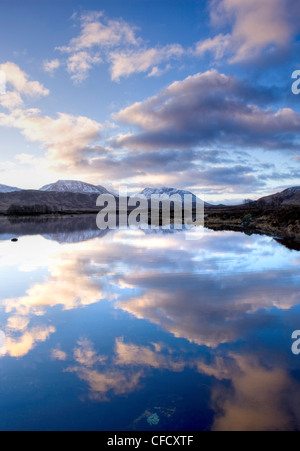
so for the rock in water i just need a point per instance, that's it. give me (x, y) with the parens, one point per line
(153, 420)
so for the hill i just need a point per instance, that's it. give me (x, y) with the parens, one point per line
(8, 189)
(74, 186)
(288, 197)
(46, 202)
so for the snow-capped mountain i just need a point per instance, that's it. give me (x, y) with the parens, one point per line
(165, 193)
(293, 190)
(74, 186)
(8, 189)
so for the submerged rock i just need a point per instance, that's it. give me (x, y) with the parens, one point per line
(153, 419)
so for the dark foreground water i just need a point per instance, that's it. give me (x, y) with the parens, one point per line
(131, 331)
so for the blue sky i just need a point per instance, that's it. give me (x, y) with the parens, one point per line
(184, 93)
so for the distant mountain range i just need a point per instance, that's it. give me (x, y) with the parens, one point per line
(288, 197)
(62, 186)
(8, 189)
(276, 215)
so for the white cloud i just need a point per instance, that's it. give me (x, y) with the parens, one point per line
(257, 27)
(80, 64)
(114, 42)
(11, 100)
(66, 138)
(97, 37)
(51, 66)
(96, 31)
(259, 398)
(18, 79)
(57, 354)
(17, 86)
(142, 60)
(209, 109)
(21, 346)
(217, 45)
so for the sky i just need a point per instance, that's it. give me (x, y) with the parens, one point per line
(192, 94)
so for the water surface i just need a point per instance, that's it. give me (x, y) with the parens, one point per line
(106, 331)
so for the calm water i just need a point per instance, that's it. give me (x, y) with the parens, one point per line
(118, 330)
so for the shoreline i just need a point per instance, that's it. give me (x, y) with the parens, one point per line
(282, 224)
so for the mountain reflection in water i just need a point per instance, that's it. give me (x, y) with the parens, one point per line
(106, 329)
